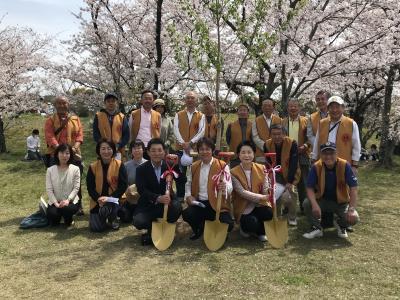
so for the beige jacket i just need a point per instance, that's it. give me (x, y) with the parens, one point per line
(66, 190)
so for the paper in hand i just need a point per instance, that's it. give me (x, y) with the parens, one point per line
(198, 203)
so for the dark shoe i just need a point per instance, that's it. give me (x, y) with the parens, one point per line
(197, 233)
(146, 239)
(80, 212)
(114, 224)
(350, 229)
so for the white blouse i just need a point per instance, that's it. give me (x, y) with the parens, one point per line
(63, 184)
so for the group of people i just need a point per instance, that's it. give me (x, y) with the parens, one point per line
(133, 190)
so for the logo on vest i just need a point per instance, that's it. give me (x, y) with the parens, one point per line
(346, 138)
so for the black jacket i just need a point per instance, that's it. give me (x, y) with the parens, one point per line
(147, 184)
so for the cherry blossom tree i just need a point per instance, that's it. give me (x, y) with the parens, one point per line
(22, 55)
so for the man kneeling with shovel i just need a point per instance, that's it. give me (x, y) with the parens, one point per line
(200, 191)
(151, 186)
(331, 187)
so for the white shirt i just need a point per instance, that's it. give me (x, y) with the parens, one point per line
(355, 139)
(203, 182)
(197, 136)
(33, 143)
(144, 132)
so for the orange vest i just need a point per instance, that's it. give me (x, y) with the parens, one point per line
(344, 145)
(211, 128)
(257, 183)
(263, 130)
(112, 178)
(212, 197)
(285, 158)
(111, 134)
(236, 134)
(315, 118)
(342, 189)
(73, 128)
(188, 131)
(302, 136)
(155, 124)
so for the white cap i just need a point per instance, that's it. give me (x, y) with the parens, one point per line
(186, 160)
(336, 99)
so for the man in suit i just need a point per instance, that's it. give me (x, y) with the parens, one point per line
(151, 185)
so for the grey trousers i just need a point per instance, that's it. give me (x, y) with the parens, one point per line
(327, 206)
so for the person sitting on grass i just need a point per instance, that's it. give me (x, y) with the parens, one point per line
(106, 182)
(250, 188)
(62, 185)
(331, 187)
(33, 146)
(200, 192)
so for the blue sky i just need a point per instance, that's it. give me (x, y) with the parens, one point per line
(51, 17)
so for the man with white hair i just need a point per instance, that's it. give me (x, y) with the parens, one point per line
(189, 128)
(340, 130)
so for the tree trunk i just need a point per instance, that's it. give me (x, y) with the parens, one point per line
(3, 147)
(159, 54)
(387, 143)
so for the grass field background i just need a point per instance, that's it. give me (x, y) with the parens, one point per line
(57, 263)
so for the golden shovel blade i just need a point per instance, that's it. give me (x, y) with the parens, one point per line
(277, 232)
(215, 234)
(162, 234)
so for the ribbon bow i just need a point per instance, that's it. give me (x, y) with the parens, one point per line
(217, 178)
(169, 171)
(272, 185)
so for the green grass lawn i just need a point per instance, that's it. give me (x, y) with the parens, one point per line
(57, 263)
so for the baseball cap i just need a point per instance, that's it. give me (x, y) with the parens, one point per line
(328, 146)
(336, 99)
(158, 102)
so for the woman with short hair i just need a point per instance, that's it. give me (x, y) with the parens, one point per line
(106, 183)
(250, 188)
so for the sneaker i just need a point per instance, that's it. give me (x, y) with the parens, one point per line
(350, 229)
(262, 238)
(341, 232)
(292, 222)
(313, 233)
(244, 233)
(80, 212)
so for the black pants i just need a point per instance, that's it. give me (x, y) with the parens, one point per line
(34, 155)
(143, 218)
(54, 214)
(180, 186)
(254, 221)
(196, 216)
(98, 220)
(126, 211)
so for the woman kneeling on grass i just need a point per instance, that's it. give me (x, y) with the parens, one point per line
(106, 182)
(62, 185)
(250, 187)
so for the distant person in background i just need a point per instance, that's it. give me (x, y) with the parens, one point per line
(167, 128)
(111, 124)
(136, 150)
(62, 186)
(321, 99)
(374, 153)
(33, 146)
